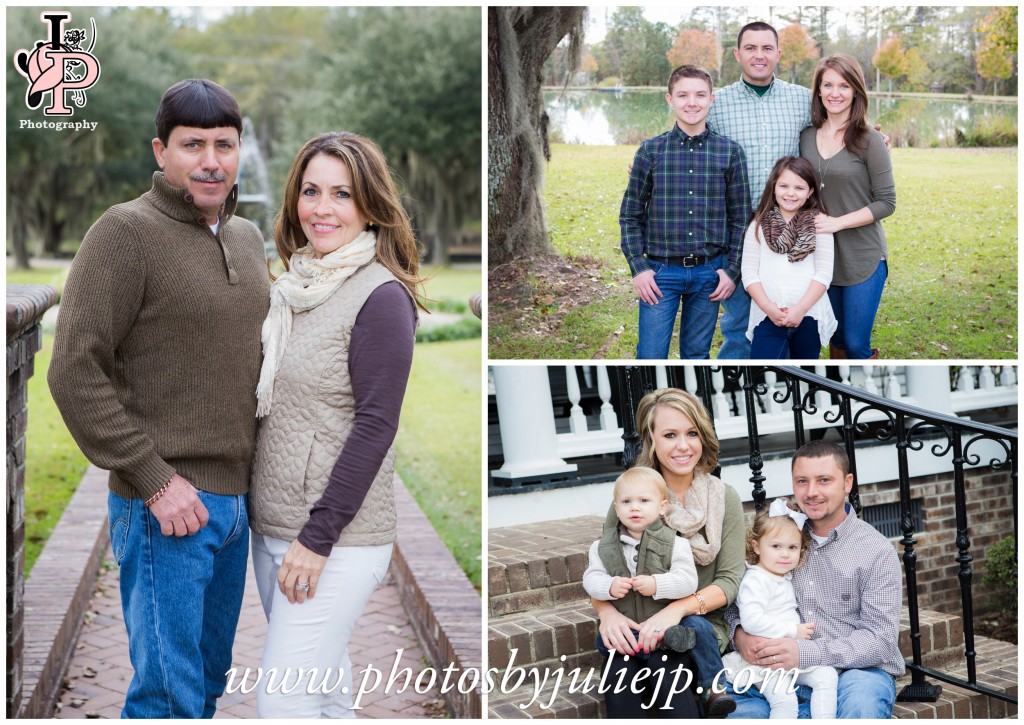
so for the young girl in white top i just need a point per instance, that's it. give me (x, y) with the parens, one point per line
(777, 543)
(787, 268)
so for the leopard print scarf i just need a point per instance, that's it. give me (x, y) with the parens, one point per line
(795, 238)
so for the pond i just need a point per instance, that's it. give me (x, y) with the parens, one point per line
(599, 118)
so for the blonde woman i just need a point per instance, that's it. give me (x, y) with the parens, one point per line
(679, 441)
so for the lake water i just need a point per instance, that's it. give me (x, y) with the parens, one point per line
(597, 118)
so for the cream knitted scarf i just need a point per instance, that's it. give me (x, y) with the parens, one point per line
(704, 508)
(309, 282)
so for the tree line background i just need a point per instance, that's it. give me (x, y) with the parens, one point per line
(918, 48)
(409, 78)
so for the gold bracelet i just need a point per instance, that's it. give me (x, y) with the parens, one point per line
(156, 496)
(703, 604)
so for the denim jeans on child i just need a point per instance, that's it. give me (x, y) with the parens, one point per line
(772, 342)
(735, 318)
(181, 596)
(855, 307)
(705, 655)
(691, 287)
(867, 694)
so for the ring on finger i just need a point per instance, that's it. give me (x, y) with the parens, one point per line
(304, 587)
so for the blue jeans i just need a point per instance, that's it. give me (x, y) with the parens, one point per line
(707, 660)
(706, 656)
(735, 318)
(855, 307)
(772, 342)
(666, 672)
(867, 694)
(181, 598)
(691, 287)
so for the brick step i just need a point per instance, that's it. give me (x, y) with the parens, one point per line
(570, 629)
(537, 566)
(542, 637)
(942, 638)
(517, 704)
(996, 667)
(996, 664)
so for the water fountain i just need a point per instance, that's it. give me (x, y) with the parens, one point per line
(255, 202)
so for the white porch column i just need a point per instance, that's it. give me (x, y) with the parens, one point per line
(526, 420)
(929, 387)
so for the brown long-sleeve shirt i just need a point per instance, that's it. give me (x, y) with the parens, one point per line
(157, 349)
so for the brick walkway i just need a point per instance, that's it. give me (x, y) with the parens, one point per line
(100, 669)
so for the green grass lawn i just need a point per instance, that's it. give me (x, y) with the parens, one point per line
(439, 436)
(438, 440)
(452, 284)
(439, 445)
(951, 292)
(53, 463)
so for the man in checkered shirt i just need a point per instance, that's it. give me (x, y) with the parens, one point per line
(851, 587)
(765, 116)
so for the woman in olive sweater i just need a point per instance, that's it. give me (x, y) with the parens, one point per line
(855, 182)
(679, 442)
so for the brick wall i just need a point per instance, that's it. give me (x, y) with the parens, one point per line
(990, 518)
(25, 307)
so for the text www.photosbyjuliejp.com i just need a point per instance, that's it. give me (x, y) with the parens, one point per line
(400, 679)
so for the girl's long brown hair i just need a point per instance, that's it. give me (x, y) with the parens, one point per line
(802, 168)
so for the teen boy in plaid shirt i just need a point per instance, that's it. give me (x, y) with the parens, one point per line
(682, 218)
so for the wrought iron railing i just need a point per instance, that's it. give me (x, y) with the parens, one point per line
(854, 413)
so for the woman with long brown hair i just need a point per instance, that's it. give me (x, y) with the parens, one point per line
(338, 345)
(856, 185)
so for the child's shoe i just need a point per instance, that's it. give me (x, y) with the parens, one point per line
(679, 638)
(717, 705)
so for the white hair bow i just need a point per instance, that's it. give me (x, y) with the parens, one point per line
(779, 507)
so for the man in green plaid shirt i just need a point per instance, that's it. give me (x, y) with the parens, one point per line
(765, 116)
(682, 218)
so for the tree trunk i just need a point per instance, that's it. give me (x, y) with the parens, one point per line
(53, 230)
(519, 40)
(19, 241)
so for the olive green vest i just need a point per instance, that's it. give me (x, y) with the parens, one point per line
(654, 556)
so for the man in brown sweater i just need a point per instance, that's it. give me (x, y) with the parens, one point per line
(155, 364)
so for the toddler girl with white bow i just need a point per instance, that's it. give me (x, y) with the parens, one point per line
(777, 543)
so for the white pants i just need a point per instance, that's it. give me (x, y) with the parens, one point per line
(825, 682)
(314, 634)
(823, 679)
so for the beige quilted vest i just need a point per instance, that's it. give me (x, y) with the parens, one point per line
(312, 415)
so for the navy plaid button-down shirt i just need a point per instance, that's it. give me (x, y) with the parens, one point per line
(686, 195)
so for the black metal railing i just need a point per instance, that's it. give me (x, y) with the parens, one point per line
(909, 428)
